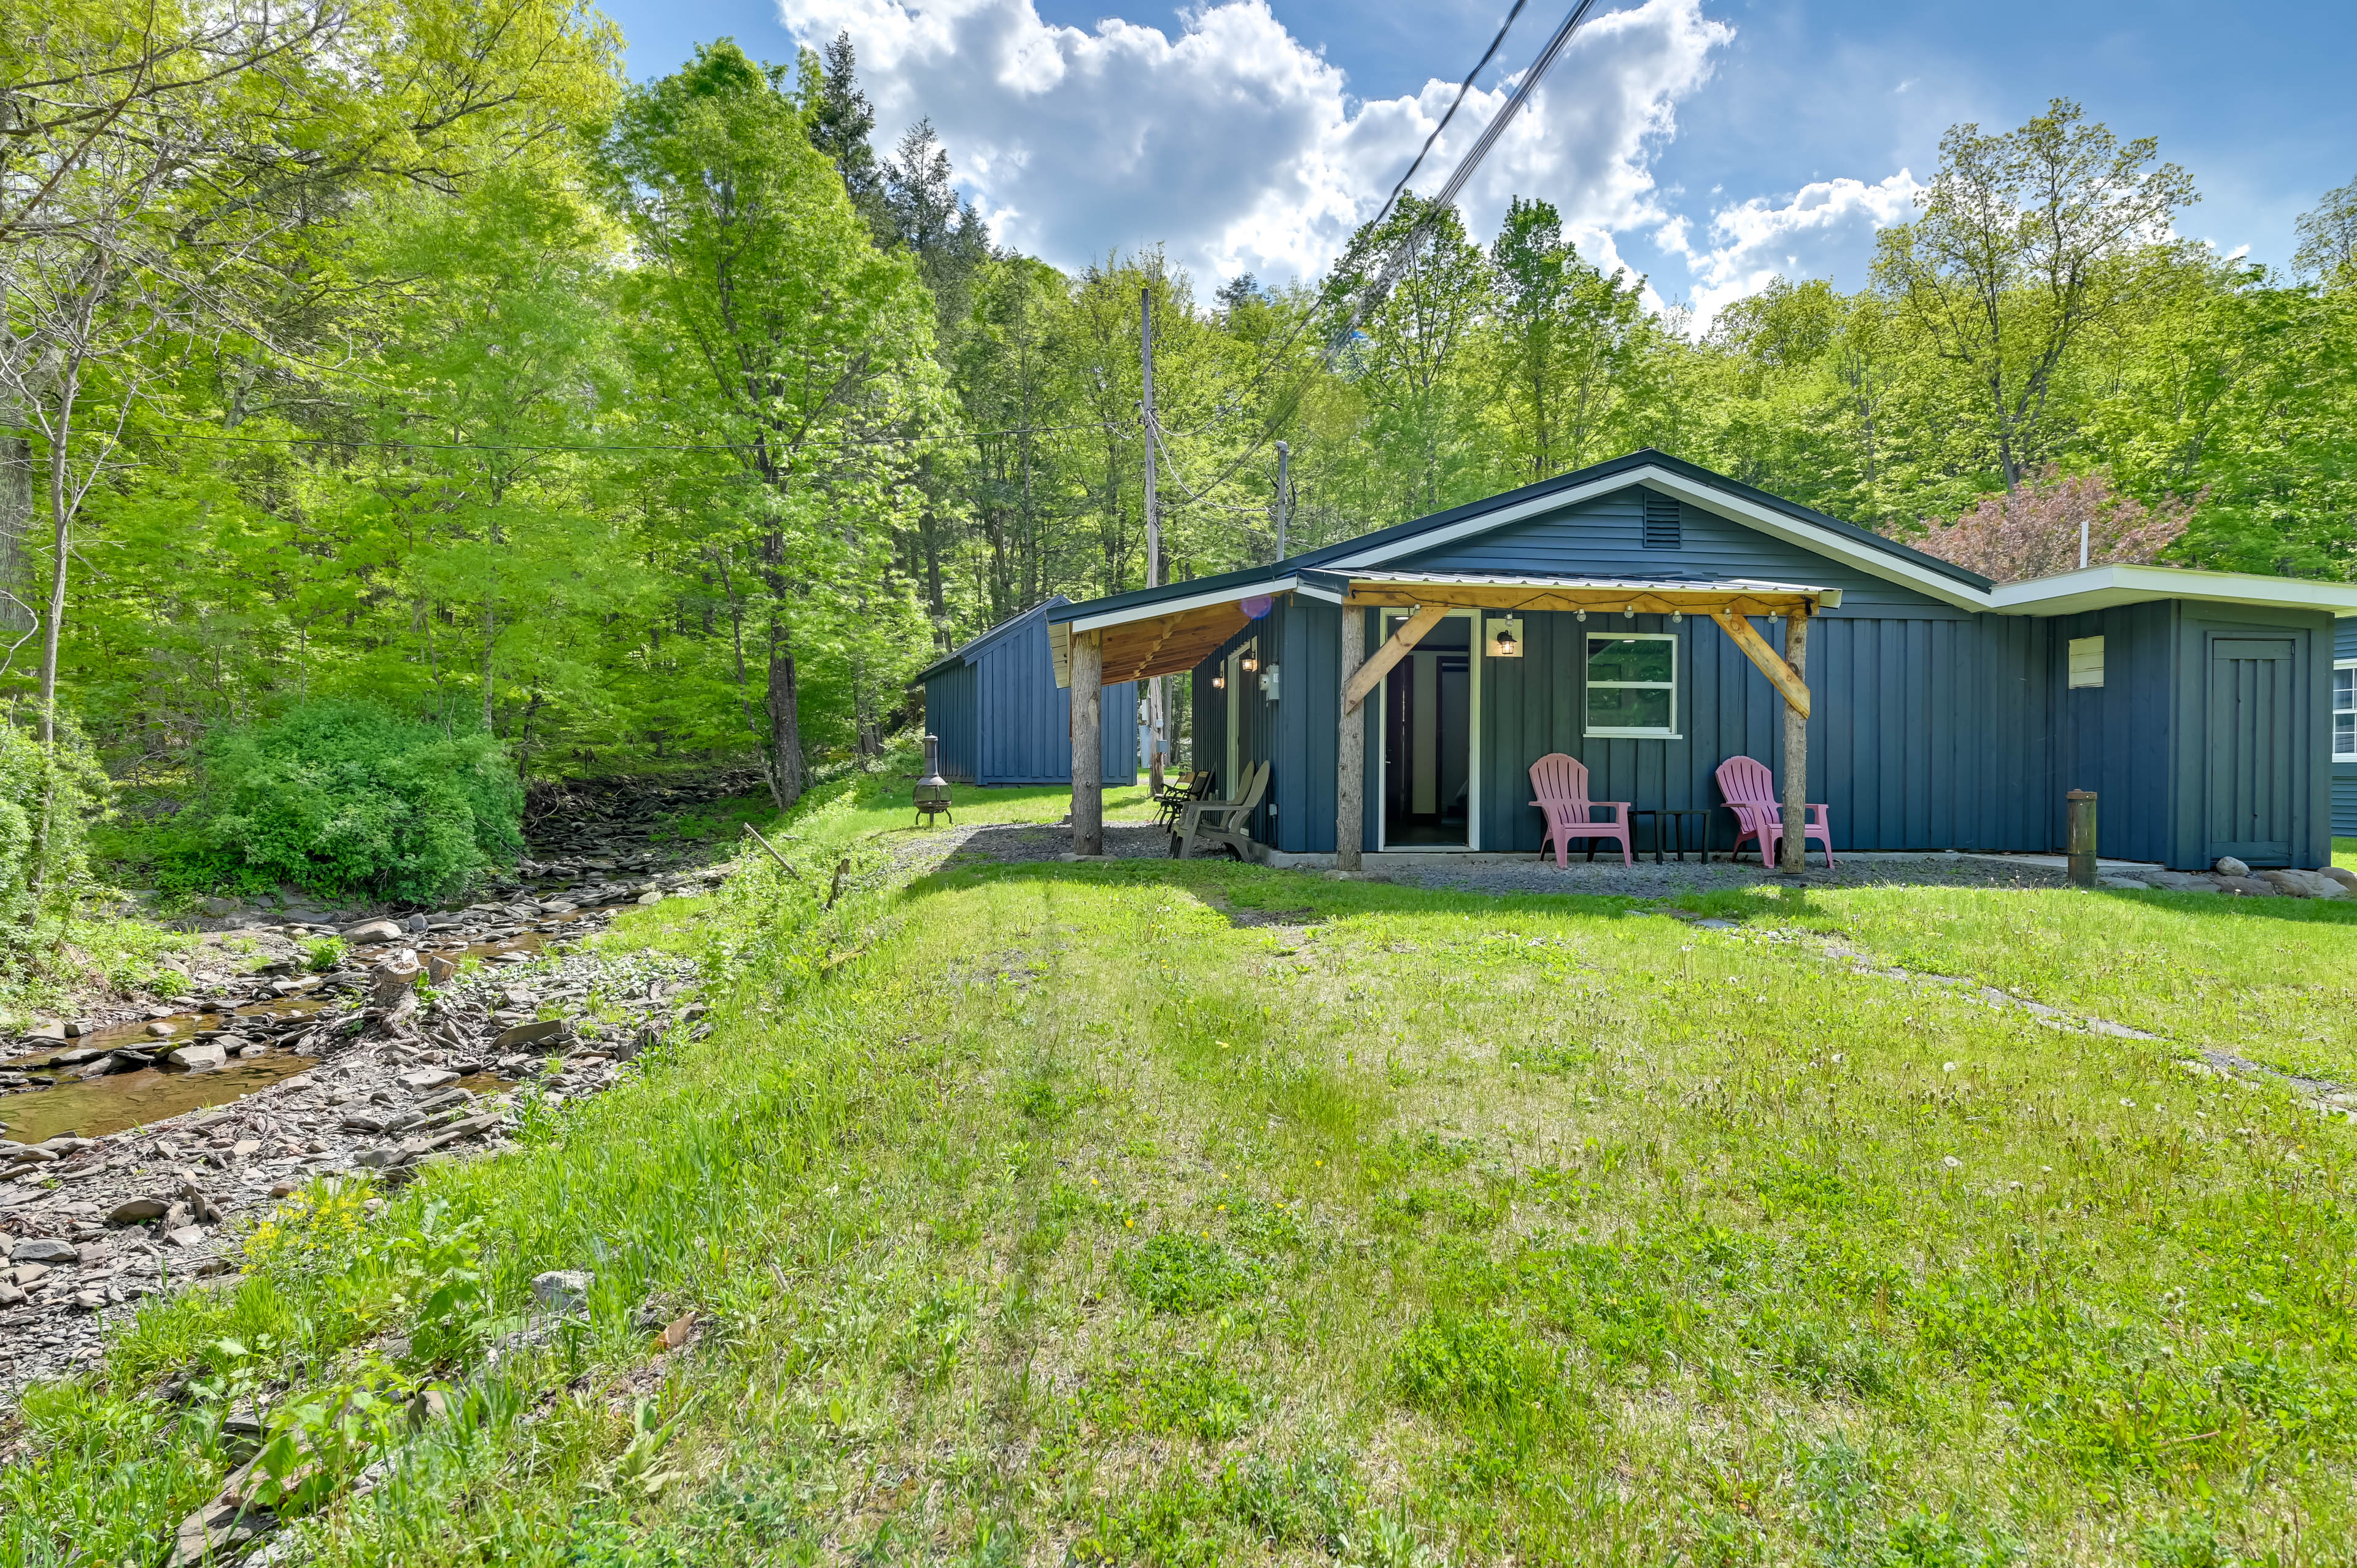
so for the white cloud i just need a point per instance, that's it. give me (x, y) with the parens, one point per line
(1239, 146)
(1752, 241)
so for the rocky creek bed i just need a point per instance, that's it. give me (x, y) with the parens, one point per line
(138, 1135)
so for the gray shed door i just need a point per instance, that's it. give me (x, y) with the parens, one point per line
(2252, 729)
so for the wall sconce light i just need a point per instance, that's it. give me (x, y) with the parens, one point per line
(1219, 680)
(1505, 639)
(1249, 662)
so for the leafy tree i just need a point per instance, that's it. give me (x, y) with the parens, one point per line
(2028, 242)
(1568, 338)
(805, 346)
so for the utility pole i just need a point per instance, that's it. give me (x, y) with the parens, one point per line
(1156, 747)
(1284, 493)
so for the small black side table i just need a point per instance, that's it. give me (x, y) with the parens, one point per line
(1672, 819)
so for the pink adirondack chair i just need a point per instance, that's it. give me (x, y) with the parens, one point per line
(1751, 791)
(1561, 783)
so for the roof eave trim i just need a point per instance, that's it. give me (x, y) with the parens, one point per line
(2120, 584)
(1808, 535)
(1179, 605)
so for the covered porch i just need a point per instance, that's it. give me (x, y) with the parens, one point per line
(1433, 634)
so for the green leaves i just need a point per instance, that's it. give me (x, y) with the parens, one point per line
(343, 797)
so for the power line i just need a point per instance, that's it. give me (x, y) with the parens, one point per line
(1443, 200)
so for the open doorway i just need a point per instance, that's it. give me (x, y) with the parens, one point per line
(1428, 781)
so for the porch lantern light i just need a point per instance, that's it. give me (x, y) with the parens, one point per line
(1507, 646)
(933, 791)
(1219, 680)
(1249, 662)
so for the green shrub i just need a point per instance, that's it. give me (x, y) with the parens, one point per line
(340, 796)
(48, 800)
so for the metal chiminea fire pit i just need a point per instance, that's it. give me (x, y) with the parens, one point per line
(933, 790)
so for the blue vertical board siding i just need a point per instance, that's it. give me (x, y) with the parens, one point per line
(2343, 773)
(1931, 727)
(2202, 763)
(1003, 720)
(949, 716)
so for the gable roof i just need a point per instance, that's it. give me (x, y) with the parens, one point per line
(968, 651)
(1324, 573)
(1811, 530)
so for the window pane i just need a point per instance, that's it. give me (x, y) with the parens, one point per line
(1631, 659)
(2344, 687)
(1628, 708)
(2344, 734)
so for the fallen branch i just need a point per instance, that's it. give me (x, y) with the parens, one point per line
(782, 862)
(842, 870)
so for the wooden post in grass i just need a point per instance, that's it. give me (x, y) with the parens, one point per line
(1796, 748)
(1350, 749)
(1088, 743)
(2080, 812)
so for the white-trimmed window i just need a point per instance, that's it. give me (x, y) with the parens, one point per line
(1632, 685)
(2344, 710)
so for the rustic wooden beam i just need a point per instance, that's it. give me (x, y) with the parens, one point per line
(1531, 599)
(1796, 751)
(1770, 665)
(1372, 672)
(1088, 743)
(1350, 750)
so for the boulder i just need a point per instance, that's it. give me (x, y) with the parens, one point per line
(2343, 875)
(2228, 867)
(414, 924)
(44, 1250)
(653, 895)
(216, 908)
(47, 1029)
(138, 1211)
(204, 1054)
(439, 968)
(375, 931)
(544, 1032)
(2304, 884)
(2249, 886)
(563, 1290)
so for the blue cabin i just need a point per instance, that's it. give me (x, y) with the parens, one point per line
(1647, 604)
(1001, 718)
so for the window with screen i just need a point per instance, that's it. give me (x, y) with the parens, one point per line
(1632, 685)
(2344, 711)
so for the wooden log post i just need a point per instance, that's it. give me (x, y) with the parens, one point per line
(1350, 749)
(1088, 743)
(1795, 856)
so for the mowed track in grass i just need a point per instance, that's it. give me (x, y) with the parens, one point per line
(1074, 1221)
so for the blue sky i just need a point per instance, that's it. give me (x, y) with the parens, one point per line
(1706, 143)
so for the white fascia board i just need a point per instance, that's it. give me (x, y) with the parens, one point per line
(1768, 521)
(2102, 587)
(1162, 607)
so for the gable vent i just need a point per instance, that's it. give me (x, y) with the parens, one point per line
(1662, 530)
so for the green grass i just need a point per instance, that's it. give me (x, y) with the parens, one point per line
(2269, 979)
(1045, 1214)
(2345, 852)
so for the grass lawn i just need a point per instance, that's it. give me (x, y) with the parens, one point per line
(1200, 1214)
